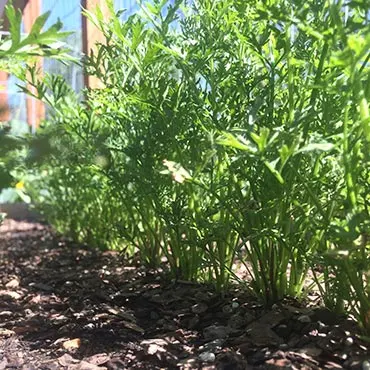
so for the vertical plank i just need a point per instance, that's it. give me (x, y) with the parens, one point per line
(4, 107)
(91, 35)
(35, 108)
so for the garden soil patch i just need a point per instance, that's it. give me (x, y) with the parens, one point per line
(65, 306)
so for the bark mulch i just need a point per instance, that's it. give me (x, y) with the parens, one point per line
(65, 306)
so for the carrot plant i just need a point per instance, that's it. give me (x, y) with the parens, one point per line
(223, 132)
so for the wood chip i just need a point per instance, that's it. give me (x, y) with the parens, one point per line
(98, 359)
(72, 344)
(6, 332)
(12, 284)
(132, 326)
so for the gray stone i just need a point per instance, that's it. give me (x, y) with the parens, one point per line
(207, 357)
(199, 308)
(262, 335)
(214, 346)
(237, 321)
(282, 330)
(235, 305)
(304, 319)
(349, 341)
(272, 318)
(216, 332)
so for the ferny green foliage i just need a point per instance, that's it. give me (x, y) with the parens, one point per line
(225, 134)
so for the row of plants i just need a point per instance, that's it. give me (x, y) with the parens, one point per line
(224, 132)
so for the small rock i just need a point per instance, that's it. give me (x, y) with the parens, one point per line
(336, 333)
(272, 318)
(216, 332)
(202, 296)
(41, 286)
(341, 355)
(349, 341)
(235, 305)
(282, 330)
(154, 315)
(366, 365)
(89, 326)
(192, 322)
(303, 340)
(215, 345)
(199, 308)
(311, 351)
(207, 357)
(304, 319)
(237, 321)
(246, 349)
(249, 317)
(227, 309)
(293, 340)
(352, 363)
(262, 335)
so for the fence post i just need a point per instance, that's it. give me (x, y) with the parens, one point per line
(4, 107)
(91, 35)
(35, 108)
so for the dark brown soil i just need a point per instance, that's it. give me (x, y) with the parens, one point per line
(65, 306)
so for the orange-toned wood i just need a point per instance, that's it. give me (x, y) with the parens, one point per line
(91, 35)
(18, 4)
(4, 107)
(35, 108)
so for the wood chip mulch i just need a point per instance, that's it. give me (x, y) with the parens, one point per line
(65, 306)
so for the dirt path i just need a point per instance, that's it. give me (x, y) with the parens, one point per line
(64, 306)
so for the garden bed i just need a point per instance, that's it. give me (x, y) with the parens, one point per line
(66, 306)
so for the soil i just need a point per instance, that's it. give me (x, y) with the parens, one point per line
(67, 306)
